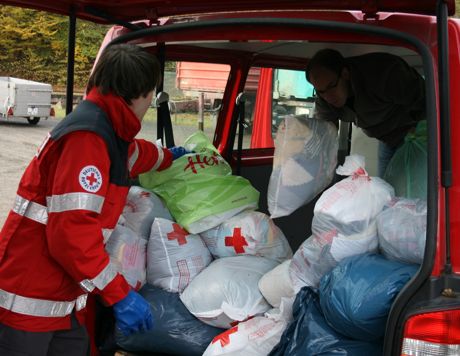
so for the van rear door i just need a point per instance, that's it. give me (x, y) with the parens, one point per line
(126, 10)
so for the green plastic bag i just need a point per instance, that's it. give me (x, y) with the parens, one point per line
(199, 188)
(407, 171)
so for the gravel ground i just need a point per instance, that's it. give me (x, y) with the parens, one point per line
(19, 142)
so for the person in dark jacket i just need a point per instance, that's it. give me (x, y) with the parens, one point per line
(378, 92)
(69, 199)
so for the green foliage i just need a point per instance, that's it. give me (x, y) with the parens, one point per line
(33, 46)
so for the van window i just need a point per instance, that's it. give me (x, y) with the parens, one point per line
(272, 94)
(195, 92)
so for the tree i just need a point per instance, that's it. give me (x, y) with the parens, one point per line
(33, 46)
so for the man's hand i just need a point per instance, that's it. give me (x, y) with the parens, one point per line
(133, 314)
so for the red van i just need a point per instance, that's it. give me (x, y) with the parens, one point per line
(283, 35)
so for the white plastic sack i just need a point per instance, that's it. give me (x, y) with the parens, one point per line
(343, 223)
(276, 284)
(254, 337)
(227, 290)
(174, 257)
(350, 206)
(128, 251)
(318, 256)
(141, 208)
(248, 233)
(303, 165)
(402, 230)
(284, 311)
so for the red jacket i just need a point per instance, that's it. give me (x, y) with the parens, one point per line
(51, 246)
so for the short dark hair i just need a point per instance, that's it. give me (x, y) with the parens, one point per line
(125, 70)
(327, 58)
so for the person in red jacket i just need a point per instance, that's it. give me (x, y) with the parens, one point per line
(68, 201)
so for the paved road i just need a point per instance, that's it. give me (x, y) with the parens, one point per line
(19, 142)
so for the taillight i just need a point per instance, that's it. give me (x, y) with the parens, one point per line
(52, 112)
(10, 111)
(432, 334)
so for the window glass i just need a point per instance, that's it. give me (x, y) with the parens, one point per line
(272, 94)
(195, 93)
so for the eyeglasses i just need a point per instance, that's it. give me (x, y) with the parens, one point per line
(330, 87)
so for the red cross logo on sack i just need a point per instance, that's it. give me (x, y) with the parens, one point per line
(224, 338)
(90, 179)
(236, 240)
(178, 233)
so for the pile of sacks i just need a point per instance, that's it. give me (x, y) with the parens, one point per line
(347, 314)
(344, 223)
(200, 286)
(357, 215)
(366, 245)
(225, 281)
(200, 269)
(335, 295)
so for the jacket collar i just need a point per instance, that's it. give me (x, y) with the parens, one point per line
(125, 123)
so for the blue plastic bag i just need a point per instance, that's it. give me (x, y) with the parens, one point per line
(309, 334)
(356, 296)
(175, 331)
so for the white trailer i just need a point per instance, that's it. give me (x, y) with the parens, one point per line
(20, 98)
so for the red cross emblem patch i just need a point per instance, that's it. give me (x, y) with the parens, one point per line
(90, 179)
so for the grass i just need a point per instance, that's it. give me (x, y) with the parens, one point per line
(183, 119)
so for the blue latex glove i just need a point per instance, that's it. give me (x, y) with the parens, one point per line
(132, 314)
(178, 151)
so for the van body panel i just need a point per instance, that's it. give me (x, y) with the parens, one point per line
(125, 10)
(454, 191)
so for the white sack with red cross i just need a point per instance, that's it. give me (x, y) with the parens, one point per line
(227, 292)
(254, 337)
(174, 257)
(128, 251)
(141, 208)
(248, 233)
(344, 223)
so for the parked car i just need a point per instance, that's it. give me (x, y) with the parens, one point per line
(275, 35)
